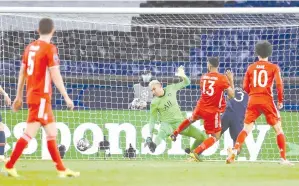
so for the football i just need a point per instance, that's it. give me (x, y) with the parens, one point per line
(83, 144)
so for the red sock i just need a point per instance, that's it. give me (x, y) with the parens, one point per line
(281, 142)
(205, 145)
(17, 152)
(182, 126)
(240, 140)
(53, 150)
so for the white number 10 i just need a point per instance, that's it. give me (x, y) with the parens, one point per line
(257, 78)
(30, 64)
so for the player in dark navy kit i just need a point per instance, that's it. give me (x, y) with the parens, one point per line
(233, 117)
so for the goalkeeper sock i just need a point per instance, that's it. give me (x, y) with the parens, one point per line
(53, 150)
(281, 142)
(240, 139)
(2, 142)
(182, 126)
(205, 145)
(196, 144)
(19, 148)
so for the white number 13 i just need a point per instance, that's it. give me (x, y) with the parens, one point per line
(30, 64)
(210, 90)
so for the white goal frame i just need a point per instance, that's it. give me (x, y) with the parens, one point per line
(134, 11)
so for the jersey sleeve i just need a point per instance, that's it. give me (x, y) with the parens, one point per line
(279, 84)
(25, 57)
(246, 82)
(153, 117)
(225, 83)
(178, 86)
(53, 59)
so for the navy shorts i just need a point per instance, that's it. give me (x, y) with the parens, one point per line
(230, 121)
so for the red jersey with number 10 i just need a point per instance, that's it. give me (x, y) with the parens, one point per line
(38, 57)
(259, 78)
(212, 86)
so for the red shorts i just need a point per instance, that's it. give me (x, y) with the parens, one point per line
(212, 121)
(256, 108)
(41, 113)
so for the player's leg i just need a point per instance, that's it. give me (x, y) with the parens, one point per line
(225, 121)
(212, 124)
(30, 132)
(251, 115)
(2, 140)
(273, 118)
(196, 115)
(51, 131)
(196, 134)
(164, 131)
(235, 128)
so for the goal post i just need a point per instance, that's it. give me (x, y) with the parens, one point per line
(103, 52)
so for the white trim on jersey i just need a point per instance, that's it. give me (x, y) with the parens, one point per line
(41, 109)
(216, 120)
(219, 105)
(47, 81)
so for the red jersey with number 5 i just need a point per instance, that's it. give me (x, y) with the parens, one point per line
(212, 86)
(38, 57)
(259, 78)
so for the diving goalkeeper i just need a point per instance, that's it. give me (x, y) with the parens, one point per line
(165, 109)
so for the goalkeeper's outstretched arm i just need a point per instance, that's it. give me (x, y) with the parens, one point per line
(186, 81)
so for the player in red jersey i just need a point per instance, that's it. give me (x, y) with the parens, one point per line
(258, 83)
(209, 106)
(40, 66)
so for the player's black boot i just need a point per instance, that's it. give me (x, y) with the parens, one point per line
(187, 150)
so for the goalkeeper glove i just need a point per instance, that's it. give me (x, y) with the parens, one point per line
(181, 72)
(151, 145)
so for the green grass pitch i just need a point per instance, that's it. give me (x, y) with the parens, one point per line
(160, 173)
(160, 170)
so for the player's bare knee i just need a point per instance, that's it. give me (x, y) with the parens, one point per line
(277, 128)
(248, 127)
(192, 119)
(217, 135)
(51, 130)
(32, 128)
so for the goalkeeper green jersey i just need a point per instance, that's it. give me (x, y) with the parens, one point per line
(165, 109)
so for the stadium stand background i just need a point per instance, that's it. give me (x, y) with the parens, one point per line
(102, 63)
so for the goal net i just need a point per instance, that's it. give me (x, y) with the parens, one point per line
(102, 59)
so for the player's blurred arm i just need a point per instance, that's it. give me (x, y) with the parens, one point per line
(246, 83)
(186, 81)
(6, 96)
(20, 88)
(279, 87)
(58, 81)
(231, 88)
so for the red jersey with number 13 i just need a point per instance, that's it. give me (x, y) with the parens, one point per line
(38, 57)
(212, 86)
(258, 81)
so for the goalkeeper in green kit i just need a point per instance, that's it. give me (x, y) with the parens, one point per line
(165, 109)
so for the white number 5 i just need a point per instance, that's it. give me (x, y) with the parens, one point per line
(210, 92)
(30, 64)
